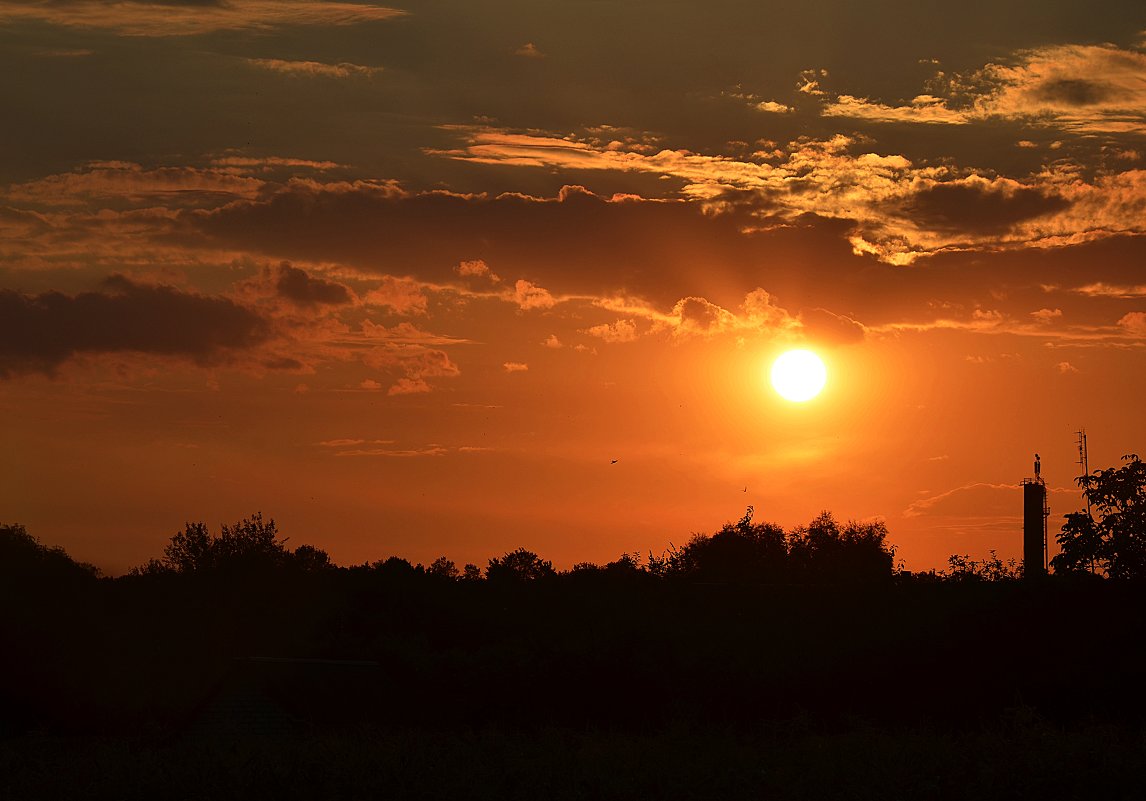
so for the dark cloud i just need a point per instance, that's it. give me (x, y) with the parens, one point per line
(576, 243)
(1073, 92)
(38, 333)
(981, 207)
(301, 288)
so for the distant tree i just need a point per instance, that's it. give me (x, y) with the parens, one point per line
(661, 566)
(471, 572)
(251, 545)
(24, 561)
(443, 568)
(310, 559)
(1114, 544)
(824, 552)
(739, 552)
(397, 568)
(190, 550)
(627, 564)
(517, 566)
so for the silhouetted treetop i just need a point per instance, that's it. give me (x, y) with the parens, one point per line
(517, 566)
(251, 545)
(24, 561)
(741, 551)
(821, 552)
(1113, 541)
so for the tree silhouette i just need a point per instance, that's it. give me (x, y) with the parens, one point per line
(24, 560)
(741, 551)
(310, 559)
(822, 552)
(443, 568)
(517, 566)
(252, 545)
(1114, 544)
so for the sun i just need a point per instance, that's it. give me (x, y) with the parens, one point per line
(798, 375)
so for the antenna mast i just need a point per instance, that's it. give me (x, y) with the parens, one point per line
(1084, 463)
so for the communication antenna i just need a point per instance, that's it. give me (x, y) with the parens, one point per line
(1084, 463)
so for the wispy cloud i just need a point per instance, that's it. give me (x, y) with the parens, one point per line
(1083, 89)
(174, 18)
(108, 180)
(901, 210)
(314, 69)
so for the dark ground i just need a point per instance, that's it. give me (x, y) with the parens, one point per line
(594, 687)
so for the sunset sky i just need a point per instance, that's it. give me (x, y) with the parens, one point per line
(408, 279)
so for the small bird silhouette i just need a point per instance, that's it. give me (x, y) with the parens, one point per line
(614, 461)
(746, 489)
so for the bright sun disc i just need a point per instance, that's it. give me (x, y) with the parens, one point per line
(799, 375)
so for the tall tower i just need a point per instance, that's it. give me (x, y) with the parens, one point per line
(1035, 514)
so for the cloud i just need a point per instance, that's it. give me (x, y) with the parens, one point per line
(193, 17)
(371, 384)
(772, 107)
(762, 312)
(302, 289)
(406, 334)
(980, 205)
(529, 50)
(923, 109)
(267, 163)
(123, 180)
(476, 268)
(619, 331)
(1134, 323)
(553, 342)
(979, 497)
(1077, 88)
(385, 448)
(38, 333)
(1047, 315)
(1104, 290)
(1081, 88)
(415, 363)
(515, 367)
(314, 69)
(899, 210)
(400, 295)
(1066, 368)
(409, 386)
(528, 295)
(699, 316)
(821, 325)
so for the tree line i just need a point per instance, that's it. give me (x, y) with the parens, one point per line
(823, 551)
(1108, 540)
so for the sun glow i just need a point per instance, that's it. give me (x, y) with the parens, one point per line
(798, 375)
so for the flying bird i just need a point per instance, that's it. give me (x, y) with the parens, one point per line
(614, 461)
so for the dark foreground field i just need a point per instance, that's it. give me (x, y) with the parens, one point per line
(368, 683)
(1018, 757)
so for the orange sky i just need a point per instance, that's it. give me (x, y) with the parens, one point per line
(408, 280)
